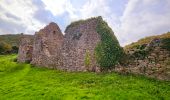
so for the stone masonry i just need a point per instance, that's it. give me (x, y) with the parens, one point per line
(25, 49)
(53, 50)
(155, 64)
(80, 39)
(47, 45)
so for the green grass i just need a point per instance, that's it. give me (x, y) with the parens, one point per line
(23, 82)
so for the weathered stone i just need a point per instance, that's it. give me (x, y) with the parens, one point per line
(47, 46)
(161, 57)
(25, 49)
(80, 39)
(153, 64)
(153, 55)
(53, 50)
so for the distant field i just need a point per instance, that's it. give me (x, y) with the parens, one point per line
(23, 82)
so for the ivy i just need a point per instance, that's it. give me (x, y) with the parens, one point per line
(108, 51)
(166, 43)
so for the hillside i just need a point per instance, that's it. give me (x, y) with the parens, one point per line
(25, 82)
(10, 43)
(12, 39)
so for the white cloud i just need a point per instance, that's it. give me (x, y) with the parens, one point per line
(142, 18)
(22, 12)
(89, 9)
(130, 22)
(57, 7)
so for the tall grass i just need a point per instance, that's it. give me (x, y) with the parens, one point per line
(23, 82)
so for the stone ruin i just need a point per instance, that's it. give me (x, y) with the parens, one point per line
(47, 46)
(25, 49)
(80, 39)
(151, 61)
(52, 49)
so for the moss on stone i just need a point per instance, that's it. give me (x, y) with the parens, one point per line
(77, 23)
(87, 59)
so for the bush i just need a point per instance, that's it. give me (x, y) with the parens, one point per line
(108, 51)
(14, 49)
(141, 53)
(5, 48)
(166, 44)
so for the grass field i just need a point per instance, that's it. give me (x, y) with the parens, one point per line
(23, 82)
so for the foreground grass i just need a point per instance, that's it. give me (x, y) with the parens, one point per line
(23, 82)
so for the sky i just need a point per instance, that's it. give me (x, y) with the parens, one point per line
(130, 20)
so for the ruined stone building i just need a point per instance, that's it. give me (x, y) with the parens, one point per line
(47, 45)
(80, 38)
(53, 50)
(50, 48)
(150, 60)
(25, 49)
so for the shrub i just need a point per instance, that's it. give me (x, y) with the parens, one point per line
(15, 49)
(166, 43)
(5, 48)
(108, 51)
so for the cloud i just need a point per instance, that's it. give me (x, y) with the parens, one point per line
(74, 11)
(57, 7)
(144, 18)
(129, 19)
(18, 13)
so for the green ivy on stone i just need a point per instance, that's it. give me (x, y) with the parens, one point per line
(108, 52)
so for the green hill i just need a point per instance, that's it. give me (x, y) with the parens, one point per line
(12, 39)
(10, 43)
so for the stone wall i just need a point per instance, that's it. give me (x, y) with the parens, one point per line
(53, 50)
(80, 39)
(47, 45)
(25, 49)
(155, 63)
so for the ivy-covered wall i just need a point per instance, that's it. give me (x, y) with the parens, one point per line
(108, 51)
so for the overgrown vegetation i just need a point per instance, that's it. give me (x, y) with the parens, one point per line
(4, 47)
(12, 39)
(166, 43)
(24, 82)
(108, 51)
(10, 43)
(146, 40)
(76, 23)
(140, 48)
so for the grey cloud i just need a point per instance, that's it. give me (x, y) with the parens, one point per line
(7, 27)
(12, 16)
